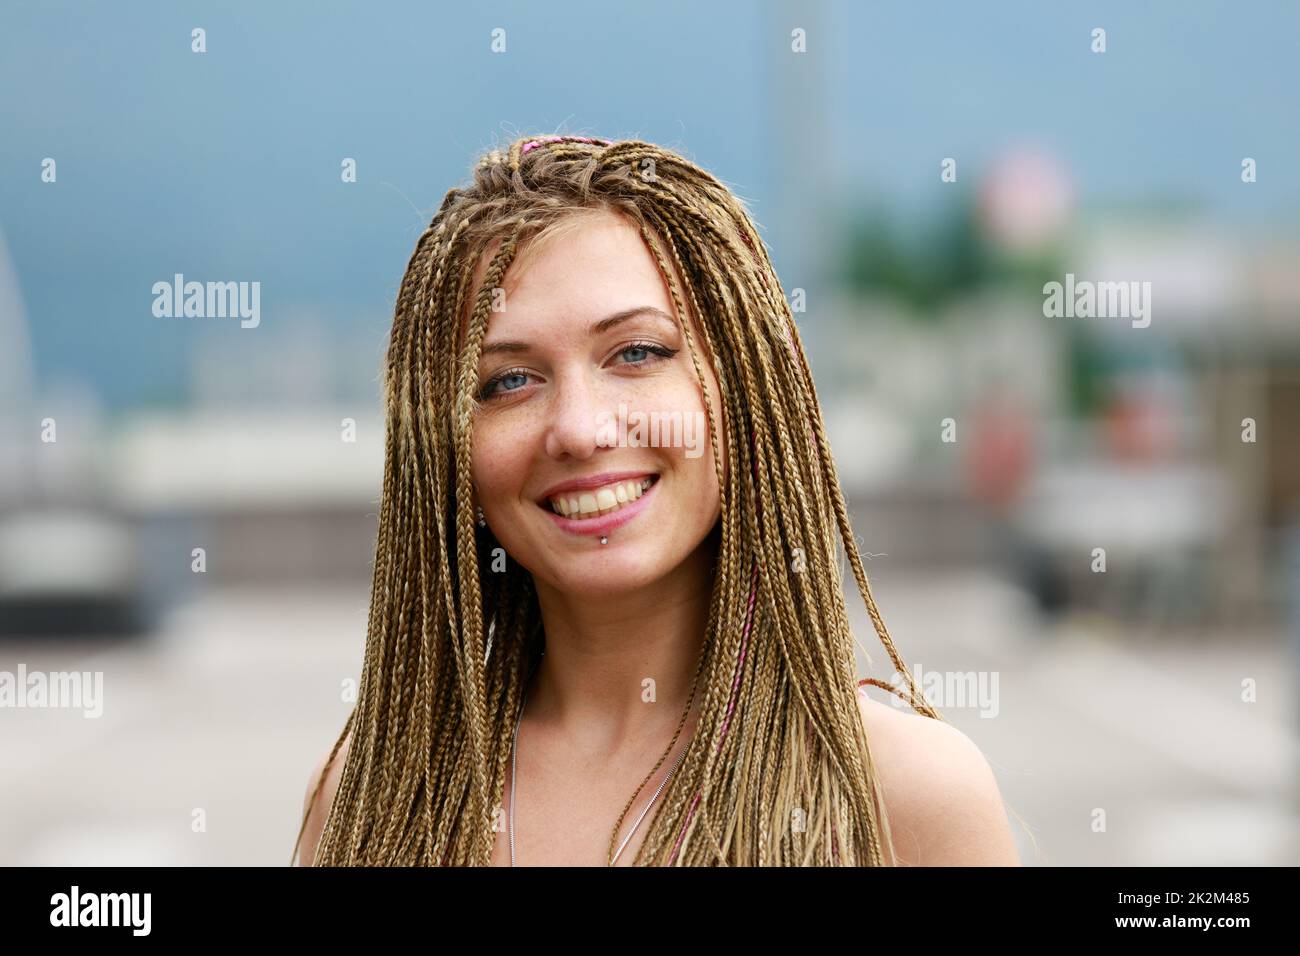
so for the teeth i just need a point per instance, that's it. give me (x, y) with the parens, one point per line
(599, 501)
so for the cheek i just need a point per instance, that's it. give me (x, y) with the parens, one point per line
(497, 451)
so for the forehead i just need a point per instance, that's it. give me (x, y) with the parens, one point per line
(596, 265)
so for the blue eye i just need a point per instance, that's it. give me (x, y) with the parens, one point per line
(644, 351)
(634, 355)
(518, 377)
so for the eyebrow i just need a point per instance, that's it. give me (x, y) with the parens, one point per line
(604, 325)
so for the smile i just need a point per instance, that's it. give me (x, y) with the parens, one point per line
(584, 505)
(599, 509)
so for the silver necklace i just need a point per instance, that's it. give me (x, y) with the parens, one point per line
(514, 751)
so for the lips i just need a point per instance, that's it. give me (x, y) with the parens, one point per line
(584, 504)
(567, 489)
(599, 503)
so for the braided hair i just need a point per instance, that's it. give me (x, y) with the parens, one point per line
(779, 771)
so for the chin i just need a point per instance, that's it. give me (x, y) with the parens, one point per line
(638, 556)
(601, 576)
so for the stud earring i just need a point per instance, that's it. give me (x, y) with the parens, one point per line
(482, 521)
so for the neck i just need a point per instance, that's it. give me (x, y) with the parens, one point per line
(591, 684)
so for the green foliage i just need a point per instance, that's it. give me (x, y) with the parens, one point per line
(927, 269)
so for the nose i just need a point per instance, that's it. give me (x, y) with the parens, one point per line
(574, 417)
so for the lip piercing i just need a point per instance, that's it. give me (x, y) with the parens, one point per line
(604, 540)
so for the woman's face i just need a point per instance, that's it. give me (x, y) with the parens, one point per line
(592, 422)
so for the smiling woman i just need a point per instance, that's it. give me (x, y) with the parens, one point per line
(634, 652)
(584, 329)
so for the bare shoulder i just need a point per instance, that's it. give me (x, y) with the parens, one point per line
(320, 807)
(940, 794)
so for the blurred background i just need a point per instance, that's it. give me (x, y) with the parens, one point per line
(1083, 532)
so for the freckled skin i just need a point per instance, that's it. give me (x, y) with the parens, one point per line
(542, 427)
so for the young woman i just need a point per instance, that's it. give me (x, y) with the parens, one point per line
(607, 624)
